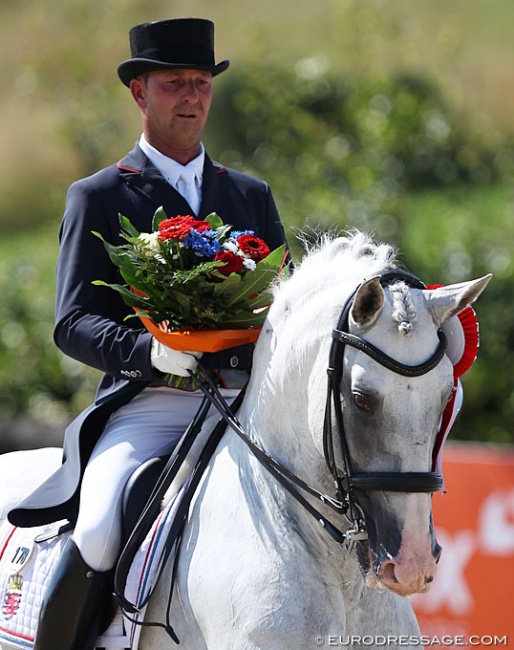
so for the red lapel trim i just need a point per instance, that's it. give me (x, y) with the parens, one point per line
(127, 169)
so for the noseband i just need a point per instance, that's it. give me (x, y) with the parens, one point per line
(348, 482)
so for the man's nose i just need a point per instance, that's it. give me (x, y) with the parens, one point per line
(191, 92)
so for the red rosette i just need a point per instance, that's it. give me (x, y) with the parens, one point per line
(467, 323)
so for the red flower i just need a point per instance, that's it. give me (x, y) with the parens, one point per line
(255, 248)
(233, 263)
(179, 227)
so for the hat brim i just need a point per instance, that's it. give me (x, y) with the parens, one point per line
(128, 70)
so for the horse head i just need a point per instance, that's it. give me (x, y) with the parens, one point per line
(382, 446)
(391, 422)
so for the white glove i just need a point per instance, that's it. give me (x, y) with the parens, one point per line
(173, 362)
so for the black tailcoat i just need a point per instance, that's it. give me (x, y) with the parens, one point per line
(90, 322)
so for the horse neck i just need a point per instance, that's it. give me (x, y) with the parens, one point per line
(283, 409)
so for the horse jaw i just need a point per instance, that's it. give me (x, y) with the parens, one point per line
(445, 302)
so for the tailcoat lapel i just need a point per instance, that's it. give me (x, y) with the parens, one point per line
(142, 177)
(139, 174)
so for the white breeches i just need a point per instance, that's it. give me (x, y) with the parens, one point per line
(150, 425)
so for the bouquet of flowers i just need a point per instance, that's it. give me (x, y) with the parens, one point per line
(191, 275)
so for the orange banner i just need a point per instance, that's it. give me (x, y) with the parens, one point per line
(471, 601)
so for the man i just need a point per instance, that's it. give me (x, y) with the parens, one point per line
(133, 417)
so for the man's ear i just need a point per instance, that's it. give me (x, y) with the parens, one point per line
(138, 91)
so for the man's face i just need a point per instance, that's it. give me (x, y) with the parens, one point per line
(175, 104)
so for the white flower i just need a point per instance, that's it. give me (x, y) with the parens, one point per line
(232, 247)
(249, 264)
(150, 242)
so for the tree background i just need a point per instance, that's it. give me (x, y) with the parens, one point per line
(390, 116)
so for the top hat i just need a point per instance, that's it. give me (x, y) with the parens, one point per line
(176, 43)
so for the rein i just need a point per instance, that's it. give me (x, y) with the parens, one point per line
(348, 482)
(285, 477)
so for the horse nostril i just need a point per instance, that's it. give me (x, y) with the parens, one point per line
(429, 579)
(387, 573)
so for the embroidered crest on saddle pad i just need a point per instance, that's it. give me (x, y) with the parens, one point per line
(12, 597)
(12, 593)
(27, 559)
(24, 572)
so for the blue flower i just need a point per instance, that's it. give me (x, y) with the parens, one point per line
(234, 234)
(204, 244)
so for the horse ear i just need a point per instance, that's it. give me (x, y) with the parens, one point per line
(446, 302)
(367, 304)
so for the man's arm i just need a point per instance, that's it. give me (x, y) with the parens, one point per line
(89, 319)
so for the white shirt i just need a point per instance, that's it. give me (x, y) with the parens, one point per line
(172, 171)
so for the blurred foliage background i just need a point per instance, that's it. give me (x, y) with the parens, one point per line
(390, 116)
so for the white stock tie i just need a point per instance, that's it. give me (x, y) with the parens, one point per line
(186, 185)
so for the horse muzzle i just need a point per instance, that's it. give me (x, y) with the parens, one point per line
(402, 553)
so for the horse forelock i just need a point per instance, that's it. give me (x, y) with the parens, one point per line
(404, 313)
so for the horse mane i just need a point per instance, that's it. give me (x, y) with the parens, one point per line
(403, 308)
(354, 244)
(336, 263)
(306, 305)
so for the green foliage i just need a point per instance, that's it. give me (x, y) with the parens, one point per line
(343, 151)
(34, 376)
(458, 234)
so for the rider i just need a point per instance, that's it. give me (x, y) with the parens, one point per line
(133, 417)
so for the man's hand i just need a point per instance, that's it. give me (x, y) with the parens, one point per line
(173, 362)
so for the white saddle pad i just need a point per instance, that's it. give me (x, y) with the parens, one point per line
(27, 558)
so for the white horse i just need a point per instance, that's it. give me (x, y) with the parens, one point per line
(256, 570)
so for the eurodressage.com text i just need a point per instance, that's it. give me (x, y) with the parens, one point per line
(408, 640)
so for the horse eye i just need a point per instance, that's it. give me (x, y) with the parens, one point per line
(362, 402)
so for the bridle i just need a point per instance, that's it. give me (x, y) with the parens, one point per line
(347, 481)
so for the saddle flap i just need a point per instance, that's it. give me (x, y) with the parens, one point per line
(137, 492)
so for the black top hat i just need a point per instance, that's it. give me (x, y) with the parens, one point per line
(176, 43)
